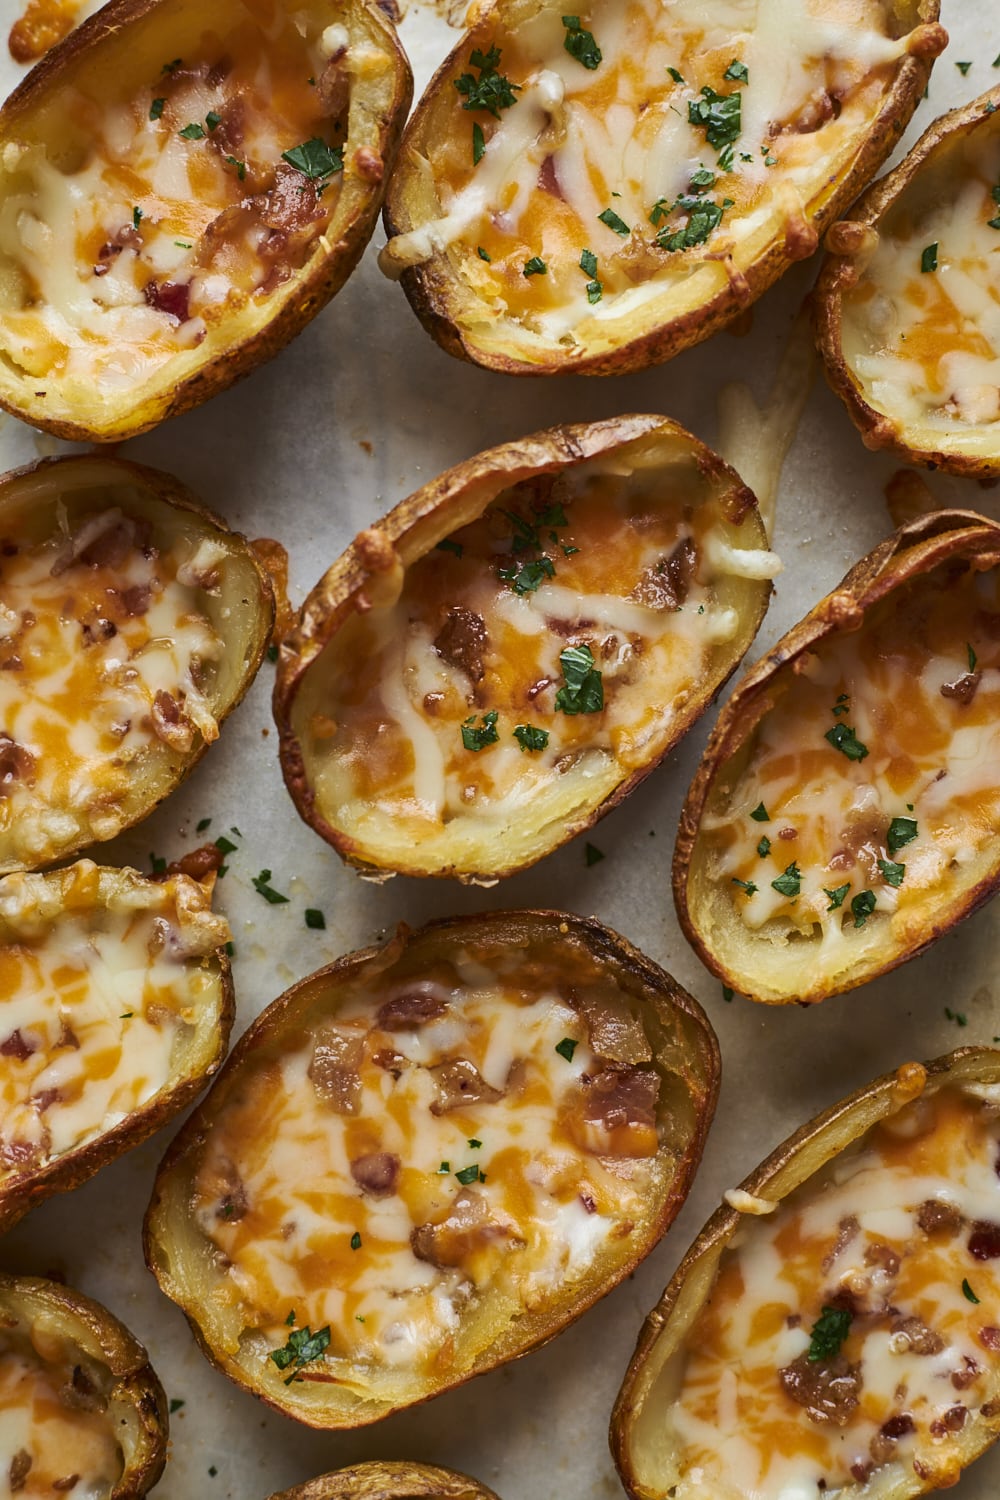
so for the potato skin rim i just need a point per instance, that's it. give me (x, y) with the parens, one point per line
(428, 286)
(312, 291)
(600, 942)
(389, 1480)
(329, 605)
(893, 1088)
(136, 1383)
(914, 549)
(879, 431)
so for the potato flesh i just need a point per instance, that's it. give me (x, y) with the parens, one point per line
(890, 1231)
(924, 346)
(357, 1182)
(919, 686)
(615, 139)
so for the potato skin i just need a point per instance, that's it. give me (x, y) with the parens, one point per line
(106, 38)
(439, 299)
(177, 1256)
(19, 1195)
(840, 271)
(389, 1481)
(803, 1154)
(914, 549)
(136, 1396)
(412, 529)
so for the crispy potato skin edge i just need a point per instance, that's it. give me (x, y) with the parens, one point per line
(390, 1481)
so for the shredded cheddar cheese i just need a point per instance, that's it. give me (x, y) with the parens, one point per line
(56, 1434)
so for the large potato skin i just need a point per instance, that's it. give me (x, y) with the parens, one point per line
(104, 42)
(179, 1257)
(389, 1481)
(709, 926)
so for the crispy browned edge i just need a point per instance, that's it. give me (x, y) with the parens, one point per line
(838, 272)
(725, 1220)
(396, 1480)
(316, 289)
(915, 548)
(329, 605)
(428, 286)
(136, 1383)
(170, 491)
(601, 943)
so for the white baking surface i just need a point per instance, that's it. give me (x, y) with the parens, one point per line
(359, 411)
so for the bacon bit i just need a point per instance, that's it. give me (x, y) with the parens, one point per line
(846, 1230)
(197, 863)
(962, 688)
(170, 723)
(18, 1046)
(368, 164)
(19, 1156)
(46, 1099)
(952, 1421)
(410, 1009)
(913, 1334)
(135, 600)
(20, 1468)
(547, 179)
(70, 1481)
(828, 1392)
(963, 1378)
(333, 88)
(16, 764)
(820, 107)
(334, 1071)
(469, 1227)
(459, 1082)
(667, 583)
(171, 297)
(44, 23)
(227, 137)
(462, 642)
(292, 204)
(989, 1337)
(588, 1203)
(104, 540)
(273, 558)
(376, 1174)
(984, 1241)
(936, 1216)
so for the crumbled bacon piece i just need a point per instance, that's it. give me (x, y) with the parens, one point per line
(17, 1045)
(962, 689)
(984, 1241)
(828, 1391)
(411, 1008)
(937, 1216)
(197, 863)
(16, 764)
(333, 88)
(377, 1173)
(883, 1445)
(172, 297)
(20, 1468)
(459, 1083)
(470, 1226)
(462, 642)
(170, 723)
(917, 1337)
(667, 583)
(335, 1068)
(616, 1112)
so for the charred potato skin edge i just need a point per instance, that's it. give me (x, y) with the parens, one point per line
(390, 1481)
(915, 548)
(429, 287)
(167, 490)
(136, 1384)
(701, 1080)
(313, 290)
(885, 1095)
(879, 431)
(331, 603)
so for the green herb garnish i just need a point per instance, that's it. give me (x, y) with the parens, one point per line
(843, 738)
(828, 1334)
(491, 91)
(261, 884)
(315, 919)
(580, 43)
(862, 907)
(566, 1048)
(929, 258)
(967, 1291)
(176, 1402)
(737, 72)
(614, 221)
(478, 144)
(764, 847)
(588, 265)
(531, 738)
(973, 658)
(675, 75)
(760, 814)
(224, 845)
(202, 825)
(477, 737)
(583, 688)
(535, 267)
(156, 108)
(192, 132)
(158, 864)
(355, 1241)
(241, 166)
(963, 67)
(892, 873)
(315, 159)
(469, 1174)
(790, 883)
(529, 576)
(302, 1349)
(719, 115)
(484, 254)
(836, 896)
(902, 831)
(592, 855)
(957, 1016)
(746, 885)
(213, 120)
(449, 546)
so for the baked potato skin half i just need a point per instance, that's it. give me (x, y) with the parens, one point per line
(124, 543)
(110, 1360)
(671, 530)
(462, 302)
(863, 260)
(39, 914)
(647, 1456)
(910, 571)
(679, 1045)
(390, 1481)
(119, 57)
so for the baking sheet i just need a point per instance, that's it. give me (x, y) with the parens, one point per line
(310, 449)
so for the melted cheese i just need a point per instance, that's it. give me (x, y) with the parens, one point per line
(580, 141)
(51, 1442)
(900, 683)
(506, 1188)
(113, 265)
(98, 1002)
(918, 1353)
(107, 660)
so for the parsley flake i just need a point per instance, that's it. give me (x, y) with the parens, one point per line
(535, 267)
(158, 864)
(272, 652)
(315, 919)
(746, 885)
(469, 1174)
(963, 67)
(483, 254)
(474, 1145)
(719, 115)
(675, 75)
(764, 847)
(156, 108)
(566, 1048)
(355, 1241)
(862, 907)
(828, 1333)
(241, 166)
(224, 845)
(478, 737)
(760, 814)
(929, 258)
(836, 896)
(892, 873)
(491, 91)
(449, 546)
(843, 738)
(790, 883)
(478, 144)
(957, 1016)
(727, 994)
(580, 43)
(444, 1170)
(176, 1402)
(737, 72)
(315, 159)
(588, 265)
(592, 854)
(171, 67)
(213, 120)
(973, 658)
(192, 132)
(967, 1291)
(529, 576)
(531, 738)
(902, 831)
(583, 688)
(302, 1349)
(136, 217)
(614, 221)
(261, 884)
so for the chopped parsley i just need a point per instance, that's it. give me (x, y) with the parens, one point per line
(156, 108)
(491, 91)
(580, 43)
(592, 854)
(828, 1333)
(583, 688)
(704, 216)
(241, 166)
(588, 265)
(315, 919)
(836, 896)
(302, 1349)
(261, 884)
(157, 863)
(892, 873)
(535, 267)
(902, 831)
(614, 221)
(790, 883)
(230, 950)
(675, 75)
(192, 132)
(136, 217)
(272, 652)
(449, 546)
(184, 244)
(202, 824)
(843, 738)
(967, 1293)
(478, 144)
(719, 115)
(355, 1241)
(315, 159)
(529, 576)
(483, 254)
(478, 737)
(531, 738)
(176, 1402)
(213, 120)
(746, 885)
(760, 814)
(224, 845)
(842, 705)
(764, 847)
(474, 1145)
(995, 223)
(444, 1170)
(566, 1048)
(470, 1174)
(727, 994)
(737, 72)
(929, 258)
(963, 67)
(973, 658)
(957, 1016)
(126, 1015)
(171, 67)
(862, 907)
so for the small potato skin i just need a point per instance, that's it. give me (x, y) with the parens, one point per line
(439, 299)
(136, 1396)
(390, 1481)
(305, 294)
(914, 549)
(839, 271)
(798, 1158)
(693, 1064)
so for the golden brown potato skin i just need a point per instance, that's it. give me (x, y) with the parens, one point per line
(135, 1397)
(104, 43)
(685, 1052)
(390, 1481)
(810, 1148)
(441, 302)
(848, 244)
(914, 549)
(413, 528)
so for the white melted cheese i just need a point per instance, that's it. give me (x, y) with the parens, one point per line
(49, 1445)
(918, 1351)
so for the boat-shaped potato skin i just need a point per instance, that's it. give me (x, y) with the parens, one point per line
(136, 1401)
(685, 1054)
(638, 1444)
(929, 176)
(752, 965)
(371, 571)
(39, 502)
(458, 319)
(120, 51)
(389, 1481)
(26, 901)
